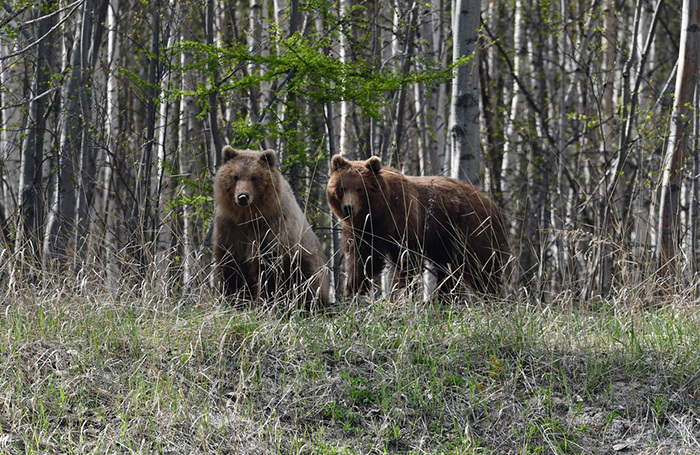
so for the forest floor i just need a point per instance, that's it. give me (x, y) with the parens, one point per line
(98, 371)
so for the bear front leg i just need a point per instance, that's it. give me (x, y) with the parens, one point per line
(404, 268)
(363, 264)
(229, 278)
(315, 277)
(234, 276)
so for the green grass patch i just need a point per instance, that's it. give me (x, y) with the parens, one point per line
(95, 372)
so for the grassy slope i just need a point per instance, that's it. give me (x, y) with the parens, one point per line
(98, 372)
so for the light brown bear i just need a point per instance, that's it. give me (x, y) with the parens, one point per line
(408, 221)
(263, 243)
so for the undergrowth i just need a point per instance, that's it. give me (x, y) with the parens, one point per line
(88, 369)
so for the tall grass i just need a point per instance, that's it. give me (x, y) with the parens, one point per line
(87, 368)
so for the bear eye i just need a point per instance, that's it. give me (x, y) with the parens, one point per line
(235, 177)
(254, 179)
(359, 190)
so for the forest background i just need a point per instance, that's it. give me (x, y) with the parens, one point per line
(580, 122)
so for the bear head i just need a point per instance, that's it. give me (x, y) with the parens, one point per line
(353, 187)
(246, 184)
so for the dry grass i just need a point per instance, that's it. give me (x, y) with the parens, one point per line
(138, 369)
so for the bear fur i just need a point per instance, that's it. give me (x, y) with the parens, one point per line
(263, 243)
(409, 221)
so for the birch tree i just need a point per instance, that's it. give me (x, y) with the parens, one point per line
(185, 114)
(430, 102)
(111, 132)
(509, 161)
(668, 234)
(68, 228)
(215, 134)
(29, 235)
(465, 145)
(164, 144)
(344, 5)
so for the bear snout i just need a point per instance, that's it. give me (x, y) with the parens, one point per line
(243, 199)
(348, 210)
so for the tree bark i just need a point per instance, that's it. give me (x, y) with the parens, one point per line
(68, 230)
(431, 106)
(605, 199)
(408, 52)
(165, 140)
(694, 194)
(4, 134)
(668, 234)
(214, 81)
(140, 221)
(466, 153)
(29, 235)
(111, 132)
(343, 143)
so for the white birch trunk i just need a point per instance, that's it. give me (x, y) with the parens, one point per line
(163, 143)
(111, 246)
(509, 163)
(686, 84)
(437, 102)
(608, 77)
(465, 146)
(183, 140)
(344, 112)
(4, 136)
(51, 225)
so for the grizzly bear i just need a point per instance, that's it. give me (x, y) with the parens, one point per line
(411, 222)
(263, 243)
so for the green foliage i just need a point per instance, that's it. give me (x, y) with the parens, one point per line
(194, 192)
(301, 68)
(312, 74)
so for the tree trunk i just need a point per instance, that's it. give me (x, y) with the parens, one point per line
(409, 49)
(111, 132)
(163, 221)
(343, 144)
(430, 106)
(4, 135)
(509, 162)
(694, 196)
(186, 168)
(605, 199)
(668, 234)
(29, 235)
(140, 220)
(492, 74)
(256, 19)
(621, 171)
(467, 157)
(214, 82)
(68, 230)
(608, 76)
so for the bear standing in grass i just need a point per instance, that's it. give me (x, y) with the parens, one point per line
(410, 220)
(262, 240)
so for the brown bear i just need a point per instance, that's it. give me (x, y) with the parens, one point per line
(263, 243)
(440, 222)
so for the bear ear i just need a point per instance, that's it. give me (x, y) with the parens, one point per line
(228, 153)
(374, 164)
(338, 163)
(269, 157)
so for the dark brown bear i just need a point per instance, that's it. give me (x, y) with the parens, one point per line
(262, 240)
(388, 216)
